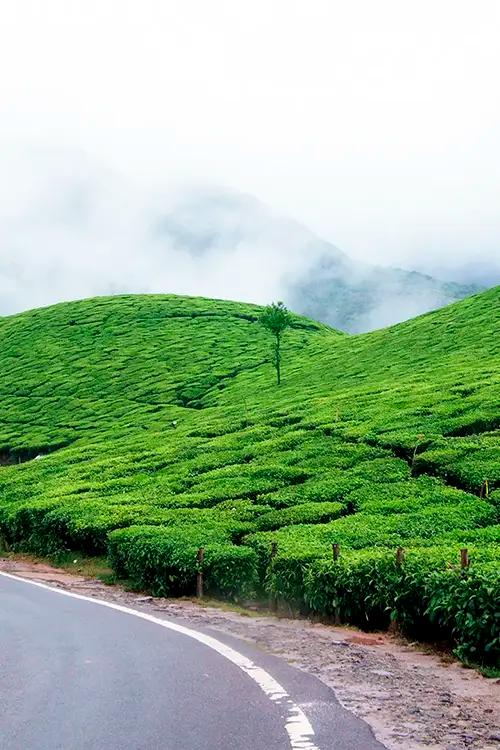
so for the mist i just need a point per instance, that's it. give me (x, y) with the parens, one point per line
(70, 228)
(374, 125)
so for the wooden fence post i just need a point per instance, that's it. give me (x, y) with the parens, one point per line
(273, 599)
(464, 558)
(336, 555)
(199, 576)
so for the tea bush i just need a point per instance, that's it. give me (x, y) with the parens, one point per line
(164, 561)
(427, 595)
(466, 606)
(299, 514)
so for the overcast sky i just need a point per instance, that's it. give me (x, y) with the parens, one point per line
(377, 124)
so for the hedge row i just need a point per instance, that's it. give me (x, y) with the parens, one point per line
(50, 526)
(366, 530)
(299, 514)
(426, 595)
(164, 561)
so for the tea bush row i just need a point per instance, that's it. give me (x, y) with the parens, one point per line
(428, 596)
(164, 561)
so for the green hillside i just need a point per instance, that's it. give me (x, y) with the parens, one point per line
(148, 426)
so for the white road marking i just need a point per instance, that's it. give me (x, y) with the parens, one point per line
(297, 724)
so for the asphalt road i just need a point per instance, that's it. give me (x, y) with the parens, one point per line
(75, 675)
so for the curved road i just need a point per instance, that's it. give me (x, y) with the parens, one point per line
(79, 674)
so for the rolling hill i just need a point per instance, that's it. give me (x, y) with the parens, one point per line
(148, 426)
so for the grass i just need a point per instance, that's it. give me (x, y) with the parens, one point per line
(162, 411)
(89, 567)
(492, 673)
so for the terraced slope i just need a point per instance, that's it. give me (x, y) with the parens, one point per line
(152, 425)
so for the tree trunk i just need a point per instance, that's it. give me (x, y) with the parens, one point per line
(278, 358)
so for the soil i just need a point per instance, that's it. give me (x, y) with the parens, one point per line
(412, 699)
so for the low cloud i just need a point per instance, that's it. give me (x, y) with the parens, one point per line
(71, 229)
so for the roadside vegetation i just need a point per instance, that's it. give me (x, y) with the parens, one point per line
(146, 427)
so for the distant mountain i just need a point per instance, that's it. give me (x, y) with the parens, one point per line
(481, 272)
(359, 298)
(71, 229)
(316, 278)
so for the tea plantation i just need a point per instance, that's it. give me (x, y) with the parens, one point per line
(145, 427)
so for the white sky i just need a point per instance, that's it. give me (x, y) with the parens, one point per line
(374, 122)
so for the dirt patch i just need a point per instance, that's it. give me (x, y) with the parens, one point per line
(411, 699)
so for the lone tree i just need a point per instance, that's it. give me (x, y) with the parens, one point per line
(276, 319)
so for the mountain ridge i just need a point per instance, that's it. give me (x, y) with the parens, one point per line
(330, 286)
